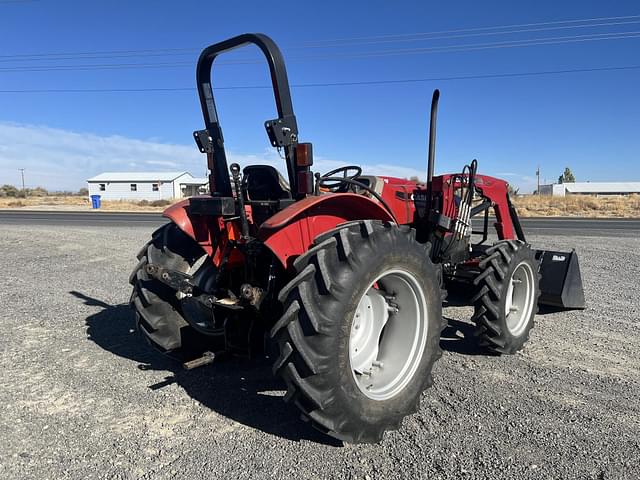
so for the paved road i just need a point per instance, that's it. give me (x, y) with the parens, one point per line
(535, 226)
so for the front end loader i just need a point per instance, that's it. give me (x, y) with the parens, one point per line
(338, 277)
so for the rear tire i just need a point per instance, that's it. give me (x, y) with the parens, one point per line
(325, 378)
(506, 301)
(159, 313)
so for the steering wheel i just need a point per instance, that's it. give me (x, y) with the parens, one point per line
(336, 184)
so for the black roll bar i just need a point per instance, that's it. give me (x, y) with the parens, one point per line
(283, 131)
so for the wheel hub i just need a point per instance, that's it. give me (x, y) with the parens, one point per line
(371, 316)
(388, 334)
(519, 301)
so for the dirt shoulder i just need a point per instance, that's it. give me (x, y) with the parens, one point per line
(578, 206)
(80, 203)
(528, 206)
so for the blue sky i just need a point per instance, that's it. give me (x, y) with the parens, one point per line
(587, 121)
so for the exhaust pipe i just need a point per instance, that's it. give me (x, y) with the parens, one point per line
(432, 138)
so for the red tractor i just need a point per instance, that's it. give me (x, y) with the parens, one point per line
(342, 275)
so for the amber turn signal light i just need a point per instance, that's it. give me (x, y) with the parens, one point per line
(304, 155)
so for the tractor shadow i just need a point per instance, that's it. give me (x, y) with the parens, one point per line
(239, 389)
(457, 336)
(548, 310)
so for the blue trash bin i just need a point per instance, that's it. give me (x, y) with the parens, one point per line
(95, 201)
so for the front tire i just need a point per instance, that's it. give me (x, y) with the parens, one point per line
(361, 330)
(506, 301)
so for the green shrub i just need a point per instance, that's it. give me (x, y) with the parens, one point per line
(37, 192)
(8, 191)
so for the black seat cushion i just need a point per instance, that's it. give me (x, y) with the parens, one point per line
(264, 182)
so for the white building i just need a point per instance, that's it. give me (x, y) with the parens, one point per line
(145, 185)
(590, 188)
(194, 186)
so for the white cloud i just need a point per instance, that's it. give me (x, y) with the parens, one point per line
(62, 159)
(524, 183)
(162, 163)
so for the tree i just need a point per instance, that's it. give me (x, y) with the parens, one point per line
(8, 191)
(37, 192)
(83, 192)
(567, 176)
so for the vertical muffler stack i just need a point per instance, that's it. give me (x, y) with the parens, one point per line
(560, 282)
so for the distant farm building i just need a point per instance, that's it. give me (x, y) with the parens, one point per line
(146, 185)
(591, 188)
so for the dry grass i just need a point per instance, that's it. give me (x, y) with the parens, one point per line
(528, 206)
(81, 203)
(578, 206)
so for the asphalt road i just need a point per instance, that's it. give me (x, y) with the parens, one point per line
(535, 226)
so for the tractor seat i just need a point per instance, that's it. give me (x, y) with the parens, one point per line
(264, 182)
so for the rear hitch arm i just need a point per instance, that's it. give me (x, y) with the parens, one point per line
(179, 281)
(183, 283)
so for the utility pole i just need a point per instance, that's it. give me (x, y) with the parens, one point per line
(538, 175)
(22, 173)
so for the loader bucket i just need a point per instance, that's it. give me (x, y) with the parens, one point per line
(560, 282)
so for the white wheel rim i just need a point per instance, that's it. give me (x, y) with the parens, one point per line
(519, 301)
(388, 334)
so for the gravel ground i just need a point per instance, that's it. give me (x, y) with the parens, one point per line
(83, 397)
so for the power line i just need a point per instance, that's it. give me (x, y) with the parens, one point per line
(121, 54)
(106, 66)
(336, 84)
(106, 52)
(188, 51)
(476, 29)
(113, 54)
(492, 45)
(466, 35)
(382, 53)
(312, 44)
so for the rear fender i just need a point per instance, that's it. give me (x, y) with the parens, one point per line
(290, 232)
(211, 233)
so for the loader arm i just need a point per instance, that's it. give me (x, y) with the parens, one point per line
(496, 191)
